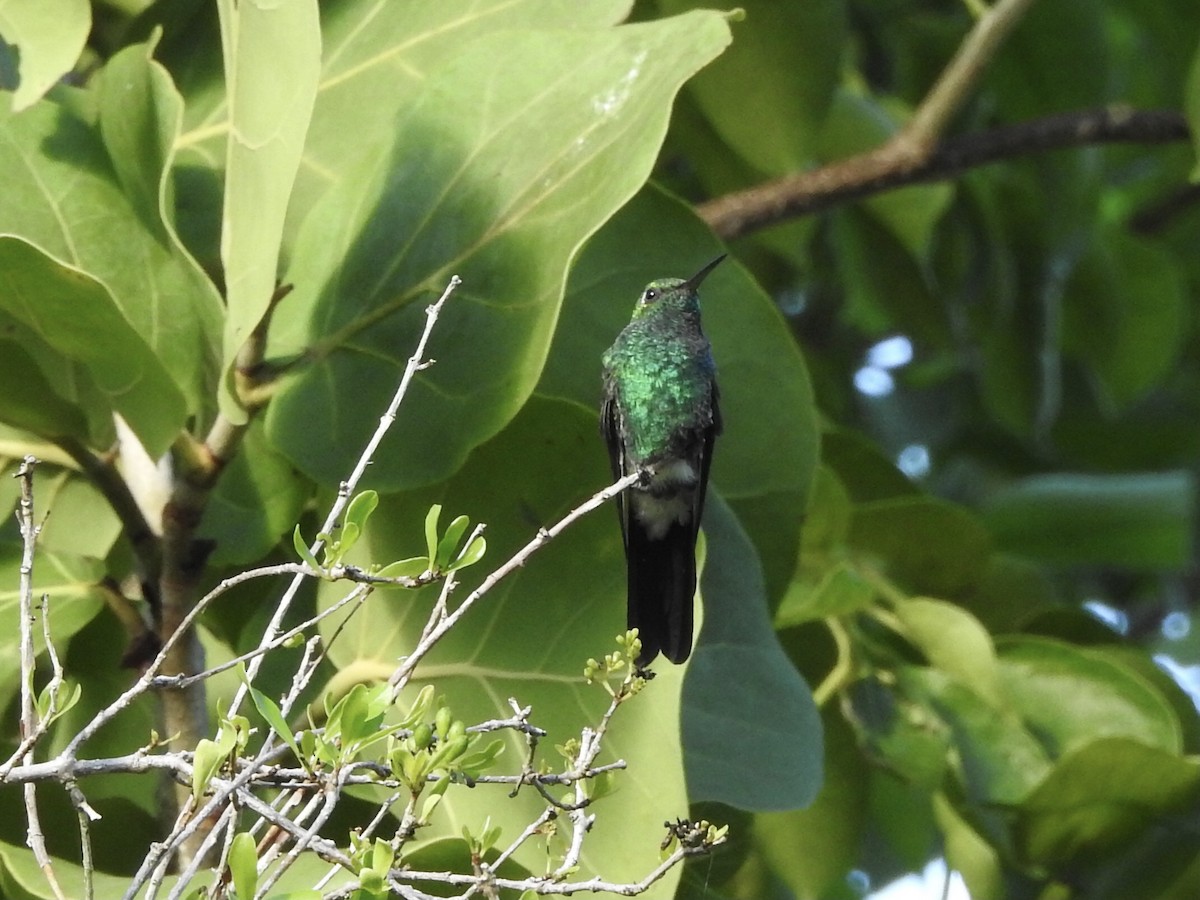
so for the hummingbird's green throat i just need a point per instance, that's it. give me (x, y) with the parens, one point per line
(660, 414)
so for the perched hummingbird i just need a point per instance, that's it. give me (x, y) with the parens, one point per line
(660, 416)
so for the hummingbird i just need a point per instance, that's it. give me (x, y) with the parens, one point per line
(660, 417)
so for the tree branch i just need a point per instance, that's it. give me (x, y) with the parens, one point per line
(918, 138)
(883, 169)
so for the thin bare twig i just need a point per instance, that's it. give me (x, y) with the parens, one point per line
(548, 886)
(30, 725)
(399, 678)
(416, 363)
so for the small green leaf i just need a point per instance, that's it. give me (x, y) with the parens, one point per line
(227, 739)
(403, 568)
(324, 751)
(473, 554)
(352, 715)
(205, 762)
(431, 529)
(303, 551)
(270, 712)
(412, 771)
(434, 796)
(355, 520)
(478, 761)
(953, 640)
(350, 535)
(491, 834)
(449, 541)
(420, 708)
(239, 729)
(331, 547)
(360, 508)
(382, 855)
(432, 802)
(373, 881)
(243, 864)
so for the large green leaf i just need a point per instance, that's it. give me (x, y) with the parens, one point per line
(1125, 311)
(44, 39)
(31, 401)
(887, 288)
(768, 96)
(812, 849)
(995, 755)
(140, 112)
(930, 545)
(861, 467)
(376, 57)
(1057, 60)
(1192, 106)
(1138, 520)
(1100, 796)
(272, 55)
(76, 317)
(1069, 697)
(953, 641)
(765, 460)
(743, 700)
(64, 196)
(501, 164)
(81, 523)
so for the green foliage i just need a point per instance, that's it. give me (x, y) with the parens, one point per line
(233, 734)
(243, 864)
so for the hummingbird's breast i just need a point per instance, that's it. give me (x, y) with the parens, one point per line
(665, 390)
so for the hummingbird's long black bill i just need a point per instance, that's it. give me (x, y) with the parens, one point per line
(694, 282)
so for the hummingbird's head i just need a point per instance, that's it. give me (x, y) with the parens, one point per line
(678, 293)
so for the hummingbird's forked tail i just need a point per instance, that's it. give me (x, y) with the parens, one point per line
(662, 584)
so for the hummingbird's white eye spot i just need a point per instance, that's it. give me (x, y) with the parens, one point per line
(649, 296)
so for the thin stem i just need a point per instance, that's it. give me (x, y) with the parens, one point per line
(399, 678)
(416, 363)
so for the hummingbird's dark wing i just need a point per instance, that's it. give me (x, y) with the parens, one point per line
(611, 430)
(714, 427)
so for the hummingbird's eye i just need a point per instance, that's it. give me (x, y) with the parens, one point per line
(650, 295)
